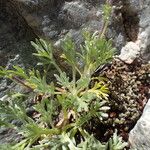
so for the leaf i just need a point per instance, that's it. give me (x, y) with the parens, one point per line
(91, 143)
(82, 83)
(94, 52)
(65, 102)
(33, 131)
(106, 11)
(19, 72)
(47, 109)
(100, 90)
(44, 51)
(3, 72)
(63, 80)
(69, 51)
(39, 83)
(82, 106)
(116, 143)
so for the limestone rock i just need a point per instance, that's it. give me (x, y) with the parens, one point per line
(49, 19)
(129, 52)
(53, 19)
(142, 44)
(143, 40)
(15, 37)
(139, 136)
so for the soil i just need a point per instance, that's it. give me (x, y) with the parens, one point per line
(129, 87)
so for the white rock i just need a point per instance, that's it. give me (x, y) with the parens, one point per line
(139, 136)
(129, 52)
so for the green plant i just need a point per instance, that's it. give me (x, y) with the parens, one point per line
(115, 143)
(64, 108)
(72, 98)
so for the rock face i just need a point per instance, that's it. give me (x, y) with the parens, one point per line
(54, 19)
(142, 43)
(144, 32)
(15, 37)
(139, 137)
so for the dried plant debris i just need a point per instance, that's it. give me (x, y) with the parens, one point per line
(129, 91)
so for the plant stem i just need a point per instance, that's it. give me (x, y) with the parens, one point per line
(57, 67)
(105, 25)
(22, 82)
(74, 77)
(78, 70)
(82, 132)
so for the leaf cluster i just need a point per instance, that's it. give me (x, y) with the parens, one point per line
(65, 107)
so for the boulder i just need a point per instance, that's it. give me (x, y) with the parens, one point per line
(15, 37)
(142, 43)
(139, 136)
(129, 52)
(52, 20)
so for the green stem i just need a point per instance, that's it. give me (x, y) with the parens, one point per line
(18, 80)
(50, 118)
(78, 70)
(74, 76)
(53, 131)
(104, 29)
(65, 114)
(82, 132)
(65, 128)
(57, 67)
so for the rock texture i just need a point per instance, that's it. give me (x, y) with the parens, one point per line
(142, 43)
(129, 52)
(15, 37)
(139, 137)
(144, 30)
(54, 19)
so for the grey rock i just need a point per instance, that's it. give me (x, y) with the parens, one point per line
(139, 136)
(74, 14)
(15, 37)
(143, 9)
(9, 136)
(50, 19)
